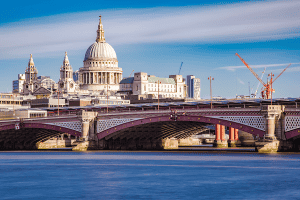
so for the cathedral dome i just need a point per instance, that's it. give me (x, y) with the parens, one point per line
(100, 51)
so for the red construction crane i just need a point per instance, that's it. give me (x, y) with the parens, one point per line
(266, 93)
(131, 73)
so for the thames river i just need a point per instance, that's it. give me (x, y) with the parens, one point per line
(149, 175)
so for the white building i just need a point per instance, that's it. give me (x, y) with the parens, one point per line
(151, 86)
(193, 87)
(17, 86)
(100, 66)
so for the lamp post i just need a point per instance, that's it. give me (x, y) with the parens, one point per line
(271, 81)
(158, 82)
(210, 78)
(57, 102)
(107, 96)
(14, 113)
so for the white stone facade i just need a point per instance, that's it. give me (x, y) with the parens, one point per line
(18, 84)
(142, 84)
(66, 84)
(31, 83)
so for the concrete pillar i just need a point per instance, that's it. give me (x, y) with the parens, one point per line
(270, 144)
(85, 129)
(272, 114)
(87, 120)
(270, 126)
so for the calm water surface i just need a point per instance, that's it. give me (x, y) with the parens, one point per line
(148, 175)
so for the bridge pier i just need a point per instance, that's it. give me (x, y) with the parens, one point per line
(88, 123)
(220, 141)
(269, 143)
(231, 141)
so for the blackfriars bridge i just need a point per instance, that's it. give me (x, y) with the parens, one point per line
(275, 127)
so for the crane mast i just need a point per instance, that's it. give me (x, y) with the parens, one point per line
(180, 68)
(131, 73)
(266, 93)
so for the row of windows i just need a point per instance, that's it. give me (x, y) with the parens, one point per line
(34, 115)
(10, 102)
(169, 95)
(160, 89)
(162, 85)
(103, 62)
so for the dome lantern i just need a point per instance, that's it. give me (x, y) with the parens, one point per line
(100, 32)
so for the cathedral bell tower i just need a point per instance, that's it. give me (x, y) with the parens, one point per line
(66, 84)
(31, 82)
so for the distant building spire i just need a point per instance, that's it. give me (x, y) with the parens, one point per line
(30, 63)
(66, 60)
(100, 32)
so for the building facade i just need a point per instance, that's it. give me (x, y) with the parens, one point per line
(193, 87)
(17, 85)
(152, 87)
(100, 66)
(31, 83)
(66, 83)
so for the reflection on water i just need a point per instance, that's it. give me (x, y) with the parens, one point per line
(149, 175)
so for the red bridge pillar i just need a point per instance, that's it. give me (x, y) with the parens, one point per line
(217, 132)
(236, 134)
(231, 141)
(220, 136)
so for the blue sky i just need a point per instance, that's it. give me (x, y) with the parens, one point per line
(156, 36)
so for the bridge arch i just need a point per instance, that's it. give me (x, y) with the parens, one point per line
(292, 133)
(29, 134)
(42, 126)
(165, 118)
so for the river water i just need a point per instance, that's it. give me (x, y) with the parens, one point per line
(148, 175)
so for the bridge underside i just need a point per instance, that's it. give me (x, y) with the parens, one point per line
(24, 139)
(150, 135)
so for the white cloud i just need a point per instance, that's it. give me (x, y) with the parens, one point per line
(233, 68)
(290, 69)
(240, 81)
(254, 21)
